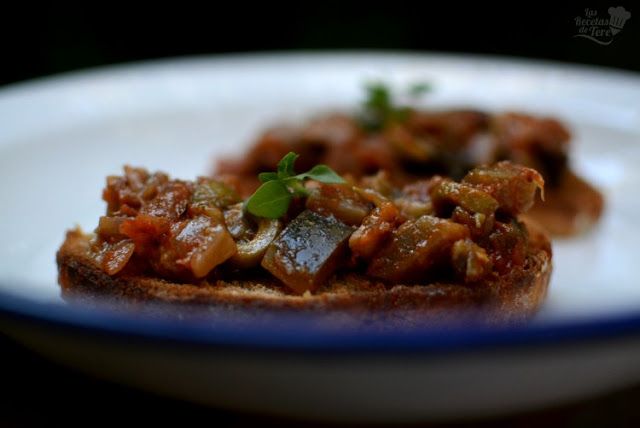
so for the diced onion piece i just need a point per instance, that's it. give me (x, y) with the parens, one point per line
(204, 243)
(470, 261)
(115, 258)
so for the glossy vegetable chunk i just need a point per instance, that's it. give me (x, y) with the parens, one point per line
(470, 261)
(251, 252)
(447, 193)
(376, 228)
(198, 244)
(507, 245)
(340, 201)
(308, 251)
(513, 186)
(213, 193)
(418, 247)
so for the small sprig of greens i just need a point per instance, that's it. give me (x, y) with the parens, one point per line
(419, 89)
(379, 109)
(273, 197)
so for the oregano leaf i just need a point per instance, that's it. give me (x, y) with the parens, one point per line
(322, 173)
(273, 197)
(271, 200)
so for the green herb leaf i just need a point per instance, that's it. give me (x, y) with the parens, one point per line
(271, 200)
(322, 173)
(418, 89)
(378, 98)
(285, 166)
(273, 197)
(267, 176)
(379, 109)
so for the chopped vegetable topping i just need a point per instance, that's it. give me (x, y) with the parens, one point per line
(303, 228)
(470, 261)
(447, 193)
(339, 200)
(389, 134)
(513, 186)
(250, 253)
(418, 247)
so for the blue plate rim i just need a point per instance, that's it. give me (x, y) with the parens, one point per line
(292, 334)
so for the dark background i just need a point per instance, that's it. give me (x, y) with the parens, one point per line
(43, 41)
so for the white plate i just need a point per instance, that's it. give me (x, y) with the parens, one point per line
(60, 137)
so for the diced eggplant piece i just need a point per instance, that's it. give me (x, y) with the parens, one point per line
(418, 247)
(238, 224)
(508, 244)
(308, 251)
(169, 200)
(447, 194)
(480, 225)
(340, 201)
(214, 193)
(376, 228)
(513, 186)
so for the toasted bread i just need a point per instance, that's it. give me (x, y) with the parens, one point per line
(434, 252)
(511, 298)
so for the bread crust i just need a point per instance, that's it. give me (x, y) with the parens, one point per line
(511, 298)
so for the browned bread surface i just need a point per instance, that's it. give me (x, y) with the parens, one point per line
(514, 297)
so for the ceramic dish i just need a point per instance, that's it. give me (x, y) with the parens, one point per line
(60, 137)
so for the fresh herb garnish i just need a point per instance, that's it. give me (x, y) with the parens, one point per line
(419, 89)
(379, 109)
(273, 197)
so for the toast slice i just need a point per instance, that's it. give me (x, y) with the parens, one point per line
(436, 252)
(348, 297)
